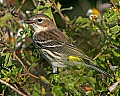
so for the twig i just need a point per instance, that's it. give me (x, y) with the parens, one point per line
(27, 92)
(25, 68)
(7, 84)
(100, 53)
(15, 86)
(58, 10)
(119, 2)
(33, 76)
(28, 62)
(115, 6)
(3, 92)
(20, 75)
(1, 32)
(29, 75)
(53, 19)
(34, 3)
(20, 6)
(21, 63)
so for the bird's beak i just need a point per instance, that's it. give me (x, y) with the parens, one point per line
(29, 21)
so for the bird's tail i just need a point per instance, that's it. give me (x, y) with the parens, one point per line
(98, 69)
(89, 64)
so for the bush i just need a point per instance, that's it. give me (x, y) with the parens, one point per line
(25, 72)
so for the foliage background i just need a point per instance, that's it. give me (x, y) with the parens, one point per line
(22, 67)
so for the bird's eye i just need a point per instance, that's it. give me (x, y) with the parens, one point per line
(40, 20)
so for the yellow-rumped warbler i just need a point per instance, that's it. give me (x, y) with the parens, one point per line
(54, 46)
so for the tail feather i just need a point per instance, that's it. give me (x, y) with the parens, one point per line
(98, 69)
(89, 64)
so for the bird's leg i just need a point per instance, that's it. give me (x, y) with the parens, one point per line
(54, 69)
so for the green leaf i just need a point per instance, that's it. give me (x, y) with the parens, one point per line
(91, 81)
(115, 29)
(4, 72)
(37, 86)
(102, 89)
(6, 17)
(57, 78)
(69, 85)
(101, 58)
(8, 60)
(48, 12)
(115, 53)
(82, 20)
(38, 8)
(35, 94)
(91, 93)
(57, 91)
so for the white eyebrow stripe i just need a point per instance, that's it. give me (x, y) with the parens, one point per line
(38, 18)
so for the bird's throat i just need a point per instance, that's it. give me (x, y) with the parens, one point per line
(38, 28)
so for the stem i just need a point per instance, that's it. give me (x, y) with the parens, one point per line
(100, 53)
(58, 10)
(7, 84)
(115, 6)
(21, 62)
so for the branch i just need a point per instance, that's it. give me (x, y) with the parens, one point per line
(56, 8)
(105, 47)
(7, 84)
(21, 62)
(115, 6)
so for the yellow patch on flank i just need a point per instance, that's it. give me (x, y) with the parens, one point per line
(74, 58)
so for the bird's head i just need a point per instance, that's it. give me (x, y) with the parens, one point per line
(40, 23)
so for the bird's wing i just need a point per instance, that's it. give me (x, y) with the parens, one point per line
(57, 49)
(66, 50)
(61, 47)
(73, 51)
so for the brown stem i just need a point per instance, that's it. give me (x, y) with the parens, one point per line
(33, 76)
(115, 6)
(3, 93)
(7, 84)
(52, 15)
(21, 63)
(100, 53)
(56, 8)
(25, 68)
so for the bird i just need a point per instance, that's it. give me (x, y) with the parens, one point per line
(54, 46)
